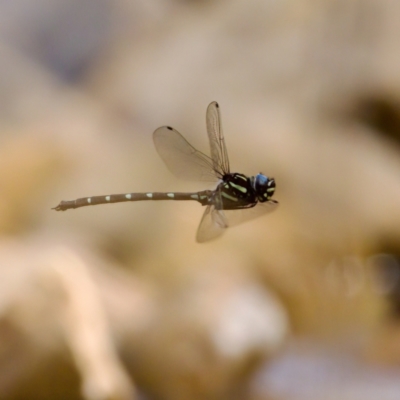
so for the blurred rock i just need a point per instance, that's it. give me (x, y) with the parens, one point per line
(216, 326)
(30, 163)
(64, 36)
(53, 327)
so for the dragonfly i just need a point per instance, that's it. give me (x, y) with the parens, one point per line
(237, 198)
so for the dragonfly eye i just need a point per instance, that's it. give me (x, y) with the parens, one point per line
(264, 187)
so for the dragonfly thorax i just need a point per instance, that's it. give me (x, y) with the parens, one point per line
(264, 187)
(236, 192)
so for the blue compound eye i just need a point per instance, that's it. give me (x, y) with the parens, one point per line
(264, 187)
(261, 180)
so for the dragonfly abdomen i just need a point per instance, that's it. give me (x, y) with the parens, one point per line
(202, 197)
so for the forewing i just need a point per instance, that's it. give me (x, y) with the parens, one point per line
(181, 158)
(212, 224)
(236, 217)
(218, 150)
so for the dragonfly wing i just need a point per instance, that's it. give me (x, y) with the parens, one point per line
(212, 225)
(181, 158)
(215, 221)
(218, 150)
(236, 217)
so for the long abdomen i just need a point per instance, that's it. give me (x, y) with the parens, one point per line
(202, 197)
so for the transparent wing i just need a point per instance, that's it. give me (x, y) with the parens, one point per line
(236, 217)
(212, 225)
(215, 221)
(218, 150)
(181, 158)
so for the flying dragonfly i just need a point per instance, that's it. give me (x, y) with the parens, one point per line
(237, 198)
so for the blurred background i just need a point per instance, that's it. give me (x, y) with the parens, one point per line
(119, 301)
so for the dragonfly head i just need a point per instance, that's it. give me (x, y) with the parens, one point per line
(264, 187)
